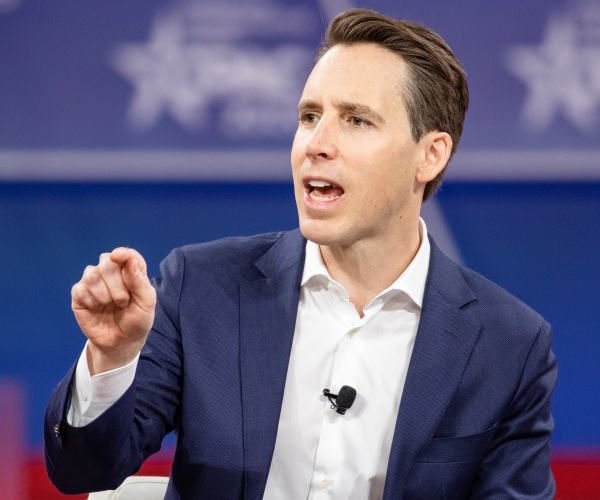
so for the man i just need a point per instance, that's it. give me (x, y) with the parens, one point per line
(453, 375)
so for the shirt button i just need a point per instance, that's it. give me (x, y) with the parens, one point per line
(325, 484)
(351, 333)
(332, 288)
(84, 396)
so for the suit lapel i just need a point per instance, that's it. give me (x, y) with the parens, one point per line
(444, 342)
(268, 306)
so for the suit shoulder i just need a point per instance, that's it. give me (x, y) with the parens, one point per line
(483, 300)
(225, 248)
(495, 302)
(234, 254)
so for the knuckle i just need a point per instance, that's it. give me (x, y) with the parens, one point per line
(91, 275)
(80, 296)
(76, 289)
(104, 262)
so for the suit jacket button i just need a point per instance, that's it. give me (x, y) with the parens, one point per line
(57, 429)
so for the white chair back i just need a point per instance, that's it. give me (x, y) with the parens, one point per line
(136, 488)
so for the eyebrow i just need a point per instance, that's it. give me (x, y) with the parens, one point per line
(360, 109)
(348, 107)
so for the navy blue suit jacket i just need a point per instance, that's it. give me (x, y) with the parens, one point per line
(474, 420)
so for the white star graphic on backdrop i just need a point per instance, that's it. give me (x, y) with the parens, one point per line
(162, 76)
(193, 60)
(562, 77)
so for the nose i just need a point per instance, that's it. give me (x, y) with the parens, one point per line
(322, 141)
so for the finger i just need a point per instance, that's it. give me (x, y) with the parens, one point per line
(91, 290)
(82, 298)
(110, 273)
(134, 269)
(135, 276)
(122, 254)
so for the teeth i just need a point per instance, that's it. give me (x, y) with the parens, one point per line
(319, 184)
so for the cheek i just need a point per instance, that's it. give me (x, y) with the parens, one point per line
(297, 155)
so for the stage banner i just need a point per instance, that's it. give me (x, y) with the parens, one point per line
(207, 89)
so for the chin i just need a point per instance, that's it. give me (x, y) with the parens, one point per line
(317, 232)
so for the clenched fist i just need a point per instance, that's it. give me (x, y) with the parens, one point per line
(114, 306)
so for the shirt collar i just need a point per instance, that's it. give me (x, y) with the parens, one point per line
(411, 281)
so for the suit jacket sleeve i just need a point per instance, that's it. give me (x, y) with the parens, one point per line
(103, 453)
(517, 464)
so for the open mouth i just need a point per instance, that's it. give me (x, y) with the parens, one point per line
(320, 190)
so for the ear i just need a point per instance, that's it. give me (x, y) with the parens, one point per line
(437, 147)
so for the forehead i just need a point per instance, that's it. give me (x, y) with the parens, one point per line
(367, 72)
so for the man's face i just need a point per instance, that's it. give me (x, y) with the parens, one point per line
(353, 158)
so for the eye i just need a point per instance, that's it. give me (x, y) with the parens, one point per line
(359, 122)
(309, 118)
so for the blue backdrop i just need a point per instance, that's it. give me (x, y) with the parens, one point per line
(157, 123)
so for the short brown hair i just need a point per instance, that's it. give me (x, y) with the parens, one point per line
(436, 94)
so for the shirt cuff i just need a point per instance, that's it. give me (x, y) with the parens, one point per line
(91, 396)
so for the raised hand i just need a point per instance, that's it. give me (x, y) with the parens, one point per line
(114, 306)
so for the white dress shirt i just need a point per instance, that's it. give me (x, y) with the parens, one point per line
(320, 454)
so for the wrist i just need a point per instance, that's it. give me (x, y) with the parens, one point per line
(102, 360)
